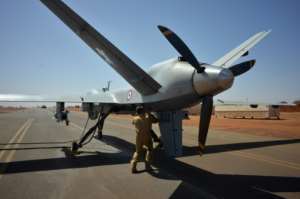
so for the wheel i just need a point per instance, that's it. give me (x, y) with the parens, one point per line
(75, 147)
(100, 135)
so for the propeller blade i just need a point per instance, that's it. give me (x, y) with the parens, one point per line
(182, 48)
(205, 115)
(241, 68)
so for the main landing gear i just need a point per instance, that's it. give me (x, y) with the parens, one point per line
(90, 133)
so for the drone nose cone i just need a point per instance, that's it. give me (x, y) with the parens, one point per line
(225, 78)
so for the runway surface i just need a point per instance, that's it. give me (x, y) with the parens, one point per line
(35, 163)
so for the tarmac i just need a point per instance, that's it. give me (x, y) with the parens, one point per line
(35, 162)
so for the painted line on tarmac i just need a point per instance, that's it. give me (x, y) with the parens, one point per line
(18, 137)
(111, 116)
(50, 113)
(76, 126)
(120, 125)
(129, 118)
(269, 160)
(12, 140)
(107, 122)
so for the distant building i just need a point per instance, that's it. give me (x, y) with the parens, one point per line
(74, 108)
(291, 107)
(251, 111)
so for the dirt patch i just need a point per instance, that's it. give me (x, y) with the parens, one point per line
(287, 127)
(10, 109)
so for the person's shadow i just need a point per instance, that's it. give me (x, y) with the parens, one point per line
(195, 180)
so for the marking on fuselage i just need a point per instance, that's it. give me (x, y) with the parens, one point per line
(129, 95)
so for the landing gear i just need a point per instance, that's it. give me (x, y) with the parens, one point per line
(101, 124)
(90, 133)
(74, 147)
(170, 124)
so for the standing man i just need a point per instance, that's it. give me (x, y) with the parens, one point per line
(144, 143)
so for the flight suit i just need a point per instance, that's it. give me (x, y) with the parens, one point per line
(143, 125)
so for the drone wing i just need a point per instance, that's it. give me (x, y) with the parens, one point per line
(129, 70)
(242, 50)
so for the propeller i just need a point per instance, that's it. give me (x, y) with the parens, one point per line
(182, 48)
(207, 104)
(205, 116)
(241, 68)
(207, 101)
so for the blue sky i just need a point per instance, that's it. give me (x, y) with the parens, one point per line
(40, 55)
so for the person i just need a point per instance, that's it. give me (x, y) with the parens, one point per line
(62, 116)
(144, 144)
(65, 116)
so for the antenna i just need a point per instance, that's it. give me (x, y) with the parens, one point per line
(107, 87)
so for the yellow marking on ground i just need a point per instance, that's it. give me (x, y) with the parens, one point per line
(50, 113)
(269, 160)
(16, 139)
(107, 122)
(76, 126)
(121, 118)
(112, 116)
(120, 125)
(12, 140)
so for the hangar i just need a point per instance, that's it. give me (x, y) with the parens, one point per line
(250, 111)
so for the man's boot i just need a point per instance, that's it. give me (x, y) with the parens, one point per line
(133, 167)
(148, 166)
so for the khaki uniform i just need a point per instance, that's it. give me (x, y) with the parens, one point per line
(143, 125)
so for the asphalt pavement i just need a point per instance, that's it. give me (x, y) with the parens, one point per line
(35, 162)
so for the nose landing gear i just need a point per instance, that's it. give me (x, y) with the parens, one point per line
(90, 133)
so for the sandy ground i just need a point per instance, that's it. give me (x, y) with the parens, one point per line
(287, 127)
(9, 109)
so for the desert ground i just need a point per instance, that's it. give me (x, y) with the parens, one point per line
(288, 126)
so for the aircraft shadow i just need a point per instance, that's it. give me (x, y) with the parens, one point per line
(68, 162)
(194, 150)
(220, 185)
(229, 186)
(193, 178)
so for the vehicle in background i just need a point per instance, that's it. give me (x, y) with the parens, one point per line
(44, 106)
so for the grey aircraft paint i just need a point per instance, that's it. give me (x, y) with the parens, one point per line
(181, 87)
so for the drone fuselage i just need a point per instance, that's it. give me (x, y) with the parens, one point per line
(182, 86)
